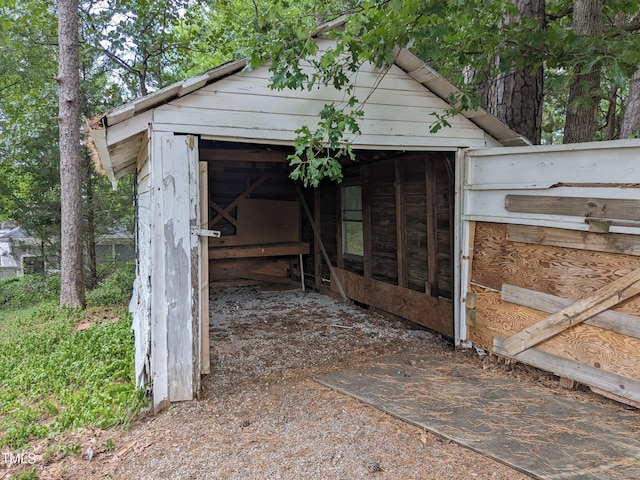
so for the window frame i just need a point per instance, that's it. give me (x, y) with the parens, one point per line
(351, 219)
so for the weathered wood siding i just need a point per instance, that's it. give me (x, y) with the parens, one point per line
(242, 106)
(140, 305)
(546, 248)
(407, 212)
(175, 344)
(233, 177)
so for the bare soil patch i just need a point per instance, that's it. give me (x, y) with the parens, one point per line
(262, 416)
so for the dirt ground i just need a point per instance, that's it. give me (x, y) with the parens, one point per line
(262, 416)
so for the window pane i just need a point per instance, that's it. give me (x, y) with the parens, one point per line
(352, 198)
(353, 238)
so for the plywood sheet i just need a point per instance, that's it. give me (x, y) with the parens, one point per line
(268, 221)
(524, 426)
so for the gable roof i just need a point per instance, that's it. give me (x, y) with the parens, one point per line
(118, 151)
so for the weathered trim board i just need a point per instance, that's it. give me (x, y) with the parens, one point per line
(435, 313)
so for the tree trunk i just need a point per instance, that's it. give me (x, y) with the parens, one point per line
(631, 120)
(516, 97)
(71, 268)
(582, 109)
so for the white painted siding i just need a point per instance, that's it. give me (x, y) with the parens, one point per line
(398, 112)
(140, 306)
(174, 256)
(593, 170)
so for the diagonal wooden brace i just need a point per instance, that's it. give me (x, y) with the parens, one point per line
(608, 296)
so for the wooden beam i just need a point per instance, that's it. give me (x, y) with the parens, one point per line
(266, 250)
(251, 188)
(401, 227)
(205, 355)
(432, 226)
(558, 237)
(318, 239)
(617, 291)
(339, 239)
(609, 320)
(367, 259)
(581, 372)
(614, 208)
(317, 252)
(253, 155)
(223, 213)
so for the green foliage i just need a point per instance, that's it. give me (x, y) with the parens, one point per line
(30, 475)
(484, 36)
(55, 378)
(115, 289)
(28, 290)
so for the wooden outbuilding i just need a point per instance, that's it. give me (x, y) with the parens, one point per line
(424, 225)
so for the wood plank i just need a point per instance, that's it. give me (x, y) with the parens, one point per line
(339, 239)
(432, 226)
(266, 250)
(558, 237)
(248, 155)
(614, 208)
(567, 273)
(621, 289)
(205, 354)
(435, 313)
(401, 226)
(367, 258)
(615, 397)
(263, 271)
(592, 163)
(603, 349)
(223, 213)
(609, 320)
(317, 252)
(610, 382)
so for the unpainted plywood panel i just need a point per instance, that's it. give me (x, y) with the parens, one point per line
(565, 272)
(267, 221)
(431, 312)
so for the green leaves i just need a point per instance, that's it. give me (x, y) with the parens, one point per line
(318, 153)
(50, 371)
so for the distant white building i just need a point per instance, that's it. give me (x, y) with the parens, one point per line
(21, 254)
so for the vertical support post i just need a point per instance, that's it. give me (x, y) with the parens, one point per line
(366, 222)
(432, 226)
(401, 228)
(317, 252)
(205, 355)
(316, 234)
(461, 252)
(339, 239)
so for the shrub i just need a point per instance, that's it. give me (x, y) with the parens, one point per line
(115, 289)
(28, 290)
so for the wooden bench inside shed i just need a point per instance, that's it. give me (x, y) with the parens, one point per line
(266, 247)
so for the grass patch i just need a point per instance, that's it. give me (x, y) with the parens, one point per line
(56, 377)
